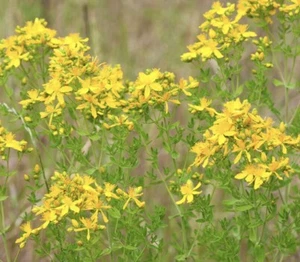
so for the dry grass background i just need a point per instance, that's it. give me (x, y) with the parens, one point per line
(136, 34)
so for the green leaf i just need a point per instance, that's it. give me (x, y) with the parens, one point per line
(259, 253)
(252, 235)
(277, 82)
(238, 91)
(95, 137)
(9, 91)
(230, 203)
(115, 213)
(130, 247)
(82, 132)
(174, 216)
(2, 198)
(243, 207)
(183, 257)
(105, 252)
(91, 171)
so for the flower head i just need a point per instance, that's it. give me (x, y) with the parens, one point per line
(188, 191)
(132, 194)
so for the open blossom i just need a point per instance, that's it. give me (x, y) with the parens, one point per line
(132, 194)
(86, 224)
(254, 173)
(188, 191)
(7, 140)
(148, 83)
(27, 229)
(33, 97)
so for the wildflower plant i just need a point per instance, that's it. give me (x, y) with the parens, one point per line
(117, 176)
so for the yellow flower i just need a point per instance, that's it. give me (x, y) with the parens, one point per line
(184, 85)
(88, 224)
(91, 103)
(241, 147)
(291, 9)
(254, 173)
(121, 120)
(68, 204)
(48, 216)
(26, 228)
(223, 23)
(75, 41)
(148, 83)
(263, 9)
(240, 33)
(55, 90)
(132, 194)
(33, 95)
(235, 109)
(108, 191)
(36, 32)
(276, 165)
(210, 48)
(165, 98)
(10, 142)
(15, 56)
(88, 85)
(97, 205)
(188, 191)
(222, 130)
(204, 105)
(52, 111)
(189, 56)
(204, 150)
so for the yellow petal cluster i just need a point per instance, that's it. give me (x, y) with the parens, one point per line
(188, 191)
(82, 201)
(258, 9)
(72, 78)
(291, 7)
(220, 30)
(250, 142)
(8, 141)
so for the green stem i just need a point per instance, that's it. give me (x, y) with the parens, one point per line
(286, 101)
(43, 171)
(183, 231)
(3, 233)
(2, 217)
(17, 255)
(168, 141)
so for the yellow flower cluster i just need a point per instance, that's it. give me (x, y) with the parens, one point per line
(74, 75)
(292, 7)
(7, 141)
(247, 140)
(155, 88)
(82, 201)
(24, 45)
(220, 30)
(75, 79)
(262, 9)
